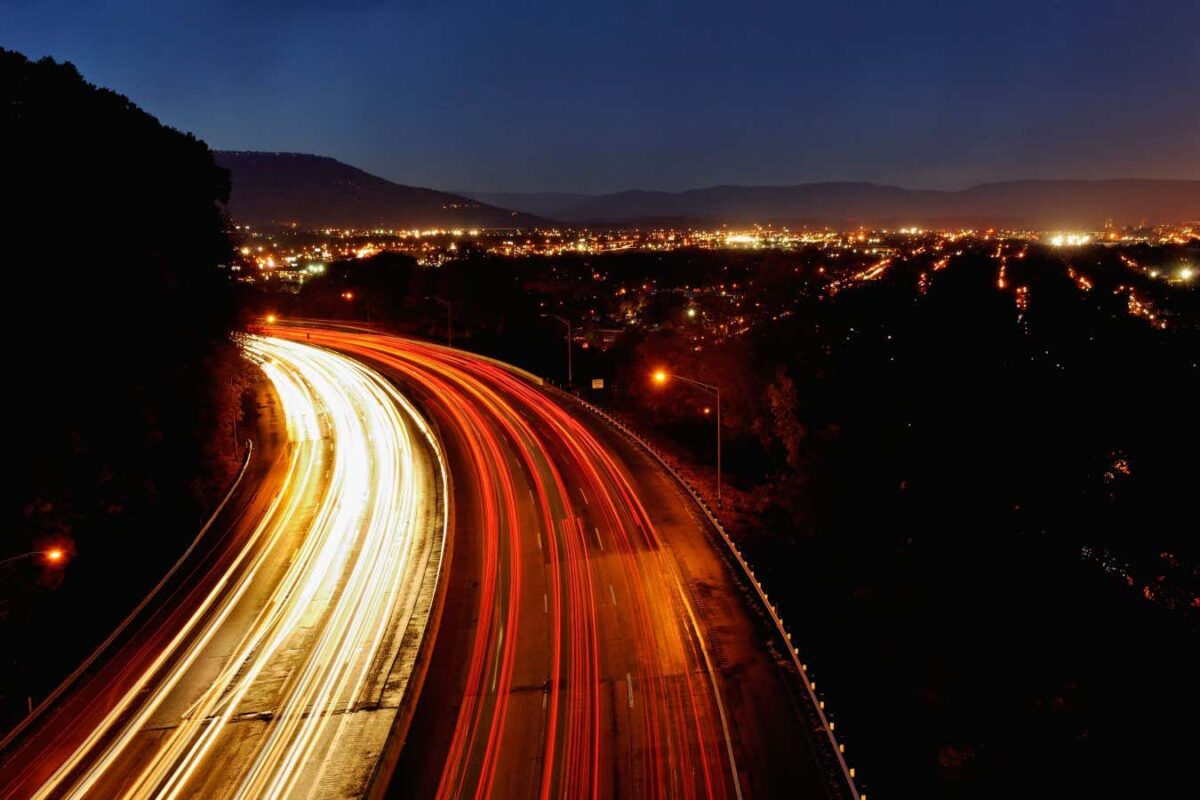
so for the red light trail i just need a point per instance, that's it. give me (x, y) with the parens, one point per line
(630, 703)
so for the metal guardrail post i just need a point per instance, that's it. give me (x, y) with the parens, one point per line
(794, 652)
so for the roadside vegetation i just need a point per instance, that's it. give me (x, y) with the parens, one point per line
(124, 380)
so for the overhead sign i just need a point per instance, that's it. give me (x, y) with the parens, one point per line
(597, 383)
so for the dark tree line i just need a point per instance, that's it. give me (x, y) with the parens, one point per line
(123, 376)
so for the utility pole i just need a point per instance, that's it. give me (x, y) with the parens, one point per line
(449, 318)
(661, 376)
(570, 342)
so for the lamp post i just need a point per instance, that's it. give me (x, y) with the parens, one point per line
(567, 322)
(55, 556)
(661, 376)
(348, 296)
(449, 327)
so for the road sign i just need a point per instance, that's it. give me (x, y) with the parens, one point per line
(597, 383)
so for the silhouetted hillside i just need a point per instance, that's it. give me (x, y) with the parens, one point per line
(544, 204)
(1026, 204)
(122, 371)
(315, 191)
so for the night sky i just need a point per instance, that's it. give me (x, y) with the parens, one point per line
(602, 96)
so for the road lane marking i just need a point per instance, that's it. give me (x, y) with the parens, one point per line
(712, 677)
(612, 594)
(496, 667)
(629, 687)
(545, 603)
(598, 542)
(584, 496)
(373, 433)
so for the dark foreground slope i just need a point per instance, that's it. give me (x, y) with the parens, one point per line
(122, 373)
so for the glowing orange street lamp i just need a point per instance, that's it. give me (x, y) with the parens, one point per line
(660, 377)
(271, 319)
(54, 556)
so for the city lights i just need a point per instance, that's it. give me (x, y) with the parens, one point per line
(287, 260)
(1069, 239)
(741, 239)
(928, 282)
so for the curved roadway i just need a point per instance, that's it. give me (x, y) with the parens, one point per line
(595, 641)
(585, 633)
(278, 668)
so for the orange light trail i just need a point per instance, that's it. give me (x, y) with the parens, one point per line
(315, 618)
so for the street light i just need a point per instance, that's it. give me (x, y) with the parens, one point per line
(348, 296)
(567, 322)
(660, 377)
(449, 327)
(54, 555)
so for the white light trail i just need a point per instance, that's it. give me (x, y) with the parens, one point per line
(306, 625)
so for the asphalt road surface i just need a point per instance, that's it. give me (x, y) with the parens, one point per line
(593, 638)
(277, 664)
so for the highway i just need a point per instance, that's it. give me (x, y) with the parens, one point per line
(279, 665)
(594, 639)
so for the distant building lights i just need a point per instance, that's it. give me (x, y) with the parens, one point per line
(1069, 239)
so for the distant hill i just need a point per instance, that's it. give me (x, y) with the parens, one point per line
(543, 204)
(316, 191)
(1040, 204)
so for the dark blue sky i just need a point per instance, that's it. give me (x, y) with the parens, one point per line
(600, 96)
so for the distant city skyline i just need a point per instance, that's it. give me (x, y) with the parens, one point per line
(487, 98)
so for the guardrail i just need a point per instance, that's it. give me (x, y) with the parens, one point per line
(839, 750)
(827, 725)
(53, 697)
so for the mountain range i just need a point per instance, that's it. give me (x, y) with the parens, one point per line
(1035, 204)
(315, 191)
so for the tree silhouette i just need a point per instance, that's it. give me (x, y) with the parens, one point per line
(124, 376)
